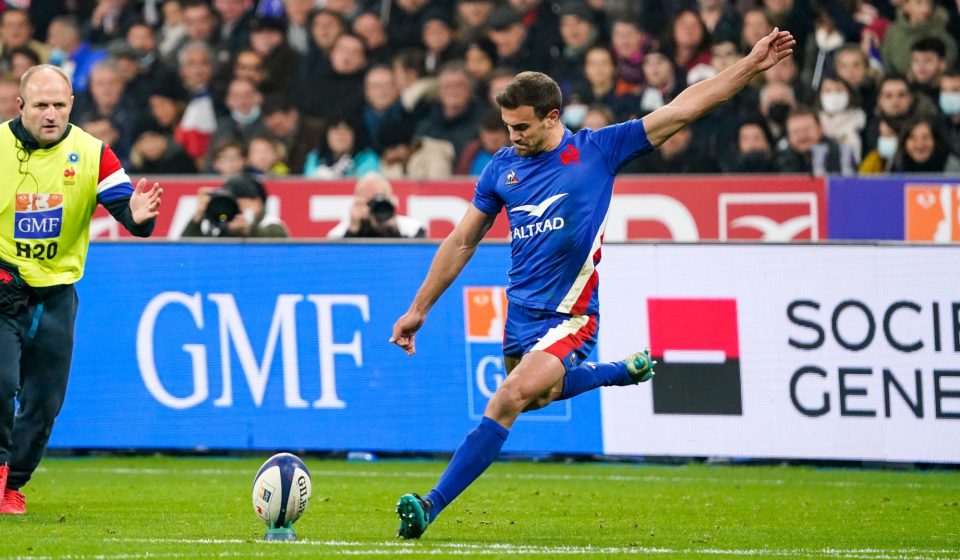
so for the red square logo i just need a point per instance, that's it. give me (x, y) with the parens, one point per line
(697, 344)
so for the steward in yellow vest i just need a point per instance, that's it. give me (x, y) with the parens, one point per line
(52, 176)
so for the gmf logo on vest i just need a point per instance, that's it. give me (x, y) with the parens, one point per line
(38, 216)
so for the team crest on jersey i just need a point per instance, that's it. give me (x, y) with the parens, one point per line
(570, 155)
(38, 216)
(511, 179)
(74, 157)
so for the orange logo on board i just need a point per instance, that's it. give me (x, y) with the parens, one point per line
(485, 313)
(932, 213)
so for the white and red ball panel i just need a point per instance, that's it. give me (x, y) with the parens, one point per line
(281, 490)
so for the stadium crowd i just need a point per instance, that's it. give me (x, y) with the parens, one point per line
(338, 88)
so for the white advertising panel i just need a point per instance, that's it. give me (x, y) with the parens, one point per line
(787, 351)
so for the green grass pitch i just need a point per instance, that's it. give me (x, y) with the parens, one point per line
(165, 507)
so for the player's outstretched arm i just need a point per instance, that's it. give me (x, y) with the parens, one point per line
(700, 98)
(454, 254)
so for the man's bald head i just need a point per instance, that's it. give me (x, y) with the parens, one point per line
(42, 68)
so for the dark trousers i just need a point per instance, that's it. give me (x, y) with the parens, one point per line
(35, 351)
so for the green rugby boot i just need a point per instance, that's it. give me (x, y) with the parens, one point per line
(414, 514)
(640, 366)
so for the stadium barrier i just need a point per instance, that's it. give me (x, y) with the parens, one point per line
(691, 208)
(772, 208)
(800, 351)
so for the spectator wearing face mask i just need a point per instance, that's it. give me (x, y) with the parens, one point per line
(896, 102)
(880, 159)
(753, 151)
(244, 121)
(840, 115)
(70, 52)
(820, 49)
(173, 28)
(777, 99)
(852, 66)
(949, 102)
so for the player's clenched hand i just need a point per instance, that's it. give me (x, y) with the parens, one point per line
(145, 205)
(404, 331)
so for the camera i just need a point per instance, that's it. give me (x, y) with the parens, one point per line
(381, 208)
(220, 210)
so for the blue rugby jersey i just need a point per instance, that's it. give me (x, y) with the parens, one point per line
(557, 203)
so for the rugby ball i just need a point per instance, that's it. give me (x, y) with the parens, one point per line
(281, 490)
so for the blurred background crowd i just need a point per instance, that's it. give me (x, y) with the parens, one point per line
(339, 88)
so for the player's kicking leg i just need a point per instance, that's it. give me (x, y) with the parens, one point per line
(533, 377)
(551, 346)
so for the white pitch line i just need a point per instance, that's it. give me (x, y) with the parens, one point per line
(136, 556)
(488, 552)
(493, 549)
(532, 476)
(483, 550)
(352, 548)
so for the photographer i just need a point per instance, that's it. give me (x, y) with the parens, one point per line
(374, 213)
(238, 209)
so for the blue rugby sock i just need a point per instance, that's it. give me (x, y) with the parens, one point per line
(474, 455)
(588, 376)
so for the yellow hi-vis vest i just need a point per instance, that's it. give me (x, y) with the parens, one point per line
(46, 203)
